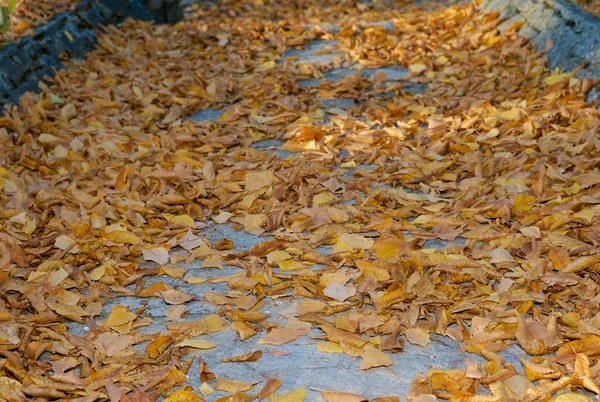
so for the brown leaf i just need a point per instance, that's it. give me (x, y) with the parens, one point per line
(336, 396)
(248, 357)
(373, 357)
(588, 346)
(279, 336)
(172, 296)
(271, 385)
(227, 385)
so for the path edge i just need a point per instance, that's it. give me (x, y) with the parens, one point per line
(574, 32)
(26, 62)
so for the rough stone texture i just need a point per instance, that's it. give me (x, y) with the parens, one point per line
(27, 62)
(304, 365)
(164, 11)
(574, 32)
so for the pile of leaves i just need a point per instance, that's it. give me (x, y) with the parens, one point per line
(592, 6)
(101, 172)
(21, 16)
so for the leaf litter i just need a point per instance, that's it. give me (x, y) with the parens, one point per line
(499, 151)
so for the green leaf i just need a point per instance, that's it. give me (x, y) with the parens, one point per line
(12, 4)
(55, 99)
(3, 19)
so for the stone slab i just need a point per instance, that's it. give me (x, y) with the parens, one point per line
(574, 32)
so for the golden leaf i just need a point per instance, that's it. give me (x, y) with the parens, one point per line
(373, 357)
(197, 344)
(297, 395)
(122, 236)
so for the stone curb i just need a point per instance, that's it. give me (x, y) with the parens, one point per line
(574, 32)
(23, 64)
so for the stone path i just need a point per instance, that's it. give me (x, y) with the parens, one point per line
(303, 364)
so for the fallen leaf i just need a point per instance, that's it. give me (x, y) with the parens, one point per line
(279, 336)
(248, 357)
(159, 255)
(336, 396)
(174, 313)
(500, 255)
(297, 395)
(227, 385)
(417, 336)
(121, 236)
(172, 296)
(329, 347)
(183, 395)
(339, 292)
(373, 357)
(271, 385)
(197, 344)
(205, 389)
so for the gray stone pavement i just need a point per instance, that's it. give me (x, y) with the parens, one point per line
(298, 363)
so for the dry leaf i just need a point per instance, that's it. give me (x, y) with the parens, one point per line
(159, 255)
(224, 384)
(339, 292)
(248, 357)
(373, 357)
(297, 395)
(172, 296)
(279, 336)
(197, 344)
(335, 396)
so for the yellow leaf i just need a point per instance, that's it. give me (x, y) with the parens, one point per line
(214, 323)
(8, 186)
(581, 263)
(197, 344)
(389, 247)
(205, 389)
(297, 395)
(500, 255)
(588, 346)
(441, 60)
(587, 214)
(222, 217)
(311, 306)
(122, 236)
(183, 396)
(373, 357)
(172, 272)
(118, 318)
(510, 115)
(255, 180)
(321, 199)
(194, 280)
(279, 336)
(45, 138)
(336, 396)
(247, 357)
(291, 265)
(553, 79)
(571, 397)
(524, 202)
(214, 261)
(349, 242)
(369, 268)
(227, 385)
(329, 347)
(417, 336)
(98, 272)
(277, 256)
(417, 68)
(184, 220)
(253, 223)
